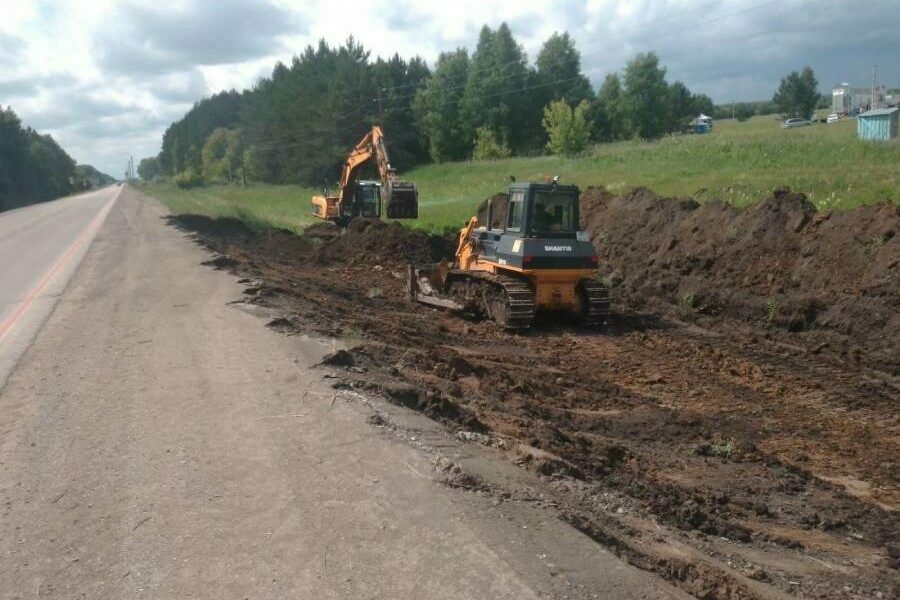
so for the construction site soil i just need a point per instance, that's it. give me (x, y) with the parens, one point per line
(734, 429)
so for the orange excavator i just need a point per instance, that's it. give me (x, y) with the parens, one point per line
(362, 198)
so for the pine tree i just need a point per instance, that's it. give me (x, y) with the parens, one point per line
(438, 111)
(493, 96)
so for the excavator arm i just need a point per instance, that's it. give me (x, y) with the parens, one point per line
(400, 198)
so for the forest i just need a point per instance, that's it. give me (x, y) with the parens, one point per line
(34, 168)
(297, 125)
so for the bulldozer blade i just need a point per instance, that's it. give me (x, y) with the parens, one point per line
(421, 290)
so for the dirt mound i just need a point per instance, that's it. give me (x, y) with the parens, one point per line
(383, 243)
(364, 240)
(779, 264)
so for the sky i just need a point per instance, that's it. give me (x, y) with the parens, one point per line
(106, 77)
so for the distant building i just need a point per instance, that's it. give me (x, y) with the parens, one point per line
(879, 125)
(848, 100)
(702, 124)
(892, 98)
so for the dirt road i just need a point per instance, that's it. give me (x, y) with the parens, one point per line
(158, 441)
(729, 454)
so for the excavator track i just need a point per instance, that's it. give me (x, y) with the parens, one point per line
(595, 294)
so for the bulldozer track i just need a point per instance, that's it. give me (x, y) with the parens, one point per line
(598, 302)
(519, 302)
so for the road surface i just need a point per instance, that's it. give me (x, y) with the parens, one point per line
(159, 442)
(40, 246)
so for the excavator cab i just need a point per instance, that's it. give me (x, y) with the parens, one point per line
(367, 200)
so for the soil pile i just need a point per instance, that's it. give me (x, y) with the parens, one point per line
(376, 241)
(777, 264)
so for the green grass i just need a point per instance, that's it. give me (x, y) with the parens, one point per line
(258, 205)
(738, 162)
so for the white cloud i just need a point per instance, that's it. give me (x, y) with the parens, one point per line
(106, 76)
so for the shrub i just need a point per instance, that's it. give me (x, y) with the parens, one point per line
(568, 129)
(188, 179)
(743, 112)
(487, 147)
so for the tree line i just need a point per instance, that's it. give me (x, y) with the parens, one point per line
(34, 168)
(297, 125)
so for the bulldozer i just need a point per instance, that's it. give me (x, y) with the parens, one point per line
(517, 258)
(365, 198)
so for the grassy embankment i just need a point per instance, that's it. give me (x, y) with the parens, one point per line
(739, 163)
(258, 205)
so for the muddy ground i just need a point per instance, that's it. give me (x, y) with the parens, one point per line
(734, 430)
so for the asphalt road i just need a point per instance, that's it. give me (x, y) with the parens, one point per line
(159, 442)
(40, 246)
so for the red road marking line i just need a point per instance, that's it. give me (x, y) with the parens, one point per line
(10, 322)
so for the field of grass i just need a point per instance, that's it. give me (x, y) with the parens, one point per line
(258, 205)
(738, 162)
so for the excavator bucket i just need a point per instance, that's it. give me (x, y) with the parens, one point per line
(401, 200)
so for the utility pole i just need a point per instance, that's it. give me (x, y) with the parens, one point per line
(874, 76)
(732, 110)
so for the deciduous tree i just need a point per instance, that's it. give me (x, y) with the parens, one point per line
(646, 100)
(568, 129)
(798, 94)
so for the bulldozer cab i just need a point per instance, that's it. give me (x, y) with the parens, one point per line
(535, 225)
(535, 210)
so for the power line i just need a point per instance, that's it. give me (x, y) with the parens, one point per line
(354, 113)
(277, 145)
(618, 34)
(369, 104)
(600, 50)
(605, 41)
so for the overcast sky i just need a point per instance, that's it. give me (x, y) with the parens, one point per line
(106, 77)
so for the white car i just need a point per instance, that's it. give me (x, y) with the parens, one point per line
(791, 123)
(833, 118)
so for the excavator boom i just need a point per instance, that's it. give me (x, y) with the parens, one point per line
(400, 198)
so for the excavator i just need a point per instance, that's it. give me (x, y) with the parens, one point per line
(518, 257)
(358, 198)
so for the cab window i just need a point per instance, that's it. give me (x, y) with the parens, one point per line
(553, 213)
(515, 212)
(368, 197)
